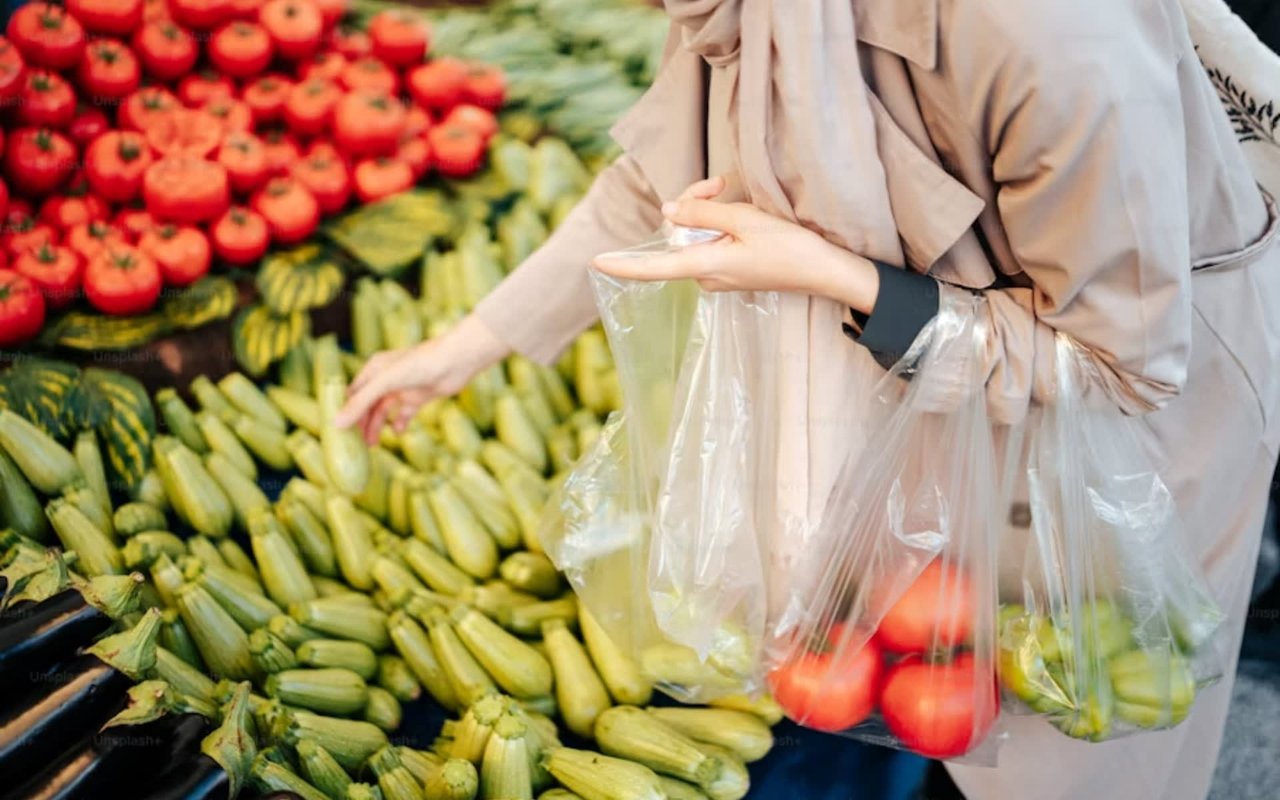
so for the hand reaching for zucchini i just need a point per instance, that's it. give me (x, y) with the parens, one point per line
(394, 384)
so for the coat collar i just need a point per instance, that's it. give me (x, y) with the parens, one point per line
(908, 28)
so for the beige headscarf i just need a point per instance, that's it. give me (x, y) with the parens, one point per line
(789, 101)
(804, 130)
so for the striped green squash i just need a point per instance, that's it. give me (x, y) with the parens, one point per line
(299, 279)
(260, 337)
(209, 299)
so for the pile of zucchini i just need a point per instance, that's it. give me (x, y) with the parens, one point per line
(274, 641)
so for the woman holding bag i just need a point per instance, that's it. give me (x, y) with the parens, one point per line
(1069, 161)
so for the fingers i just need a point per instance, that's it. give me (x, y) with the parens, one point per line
(689, 262)
(728, 217)
(372, 424)
(360, 402)
(403, 416)
(376, 364)
(704, 189)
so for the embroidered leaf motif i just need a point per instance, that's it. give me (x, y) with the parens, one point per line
(1250, 121)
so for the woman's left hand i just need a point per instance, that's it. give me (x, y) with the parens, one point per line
(760, 252)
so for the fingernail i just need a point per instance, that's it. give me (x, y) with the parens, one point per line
(669, 208)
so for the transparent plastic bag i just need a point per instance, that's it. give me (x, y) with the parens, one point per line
(894, 641)
(665, 523)
(1106, 628)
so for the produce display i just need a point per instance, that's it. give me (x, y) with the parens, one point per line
(572, 66)
(152, 147)
(378, 576)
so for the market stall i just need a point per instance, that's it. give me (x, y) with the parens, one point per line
(215, 212)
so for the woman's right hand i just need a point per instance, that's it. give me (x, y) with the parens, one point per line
(394, 384)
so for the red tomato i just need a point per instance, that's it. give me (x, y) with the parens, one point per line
(282, 151)
(240, 49)
(232, 114)
(47, 100)
(87, 125)
(325, 175)
(376, 178)
(185, 132)
(199, 88)
(166, 50)
(328, 65)
(352, 43)
(89, 239)
(417, 154)
(12, 71)
(456, 151)
(309, 107)
(55, 270)
(200, 15)
(240, 236)
(485, 86)
(438, 84)
(245, 158)
(122, 280)
(109, 70)
(47, 36)
(38, 160)
(112, 17)
(66, 211)
(115, 164)
(26, 233)
(246, 9)
(331, 11)
(940, 710)
(371, 75)
(266, 97)
(4, 203)
(21, 308)
(133, 222)
(399, 38)
(935, 612)
(291, 211)
(480, 120)
(829, 692)
(141, 109)
(181, 253)
(18, 211)
(369, 123)
(186, 189)
(155, 10)
(295, 27)
(416, 122)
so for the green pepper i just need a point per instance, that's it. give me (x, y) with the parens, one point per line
(1089, 708)
(1152, 690)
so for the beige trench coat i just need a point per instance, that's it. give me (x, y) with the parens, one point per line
(1077, 152)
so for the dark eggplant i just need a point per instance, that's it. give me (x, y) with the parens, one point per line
(38, 635)
(222, 768)
(43, 724)
(199, 778)
(116, 757)
(42, 633)
(68, 703)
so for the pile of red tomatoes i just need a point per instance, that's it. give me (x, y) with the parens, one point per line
(934, 694)
(144, 139)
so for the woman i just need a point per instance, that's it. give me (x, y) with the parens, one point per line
(1068, 160)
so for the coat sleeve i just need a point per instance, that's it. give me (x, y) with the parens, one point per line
(1081, 115)
(547, 301)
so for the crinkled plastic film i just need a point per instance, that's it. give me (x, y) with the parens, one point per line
(666, 522)
(894, 640)
(1106, 628)
(965, 568)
